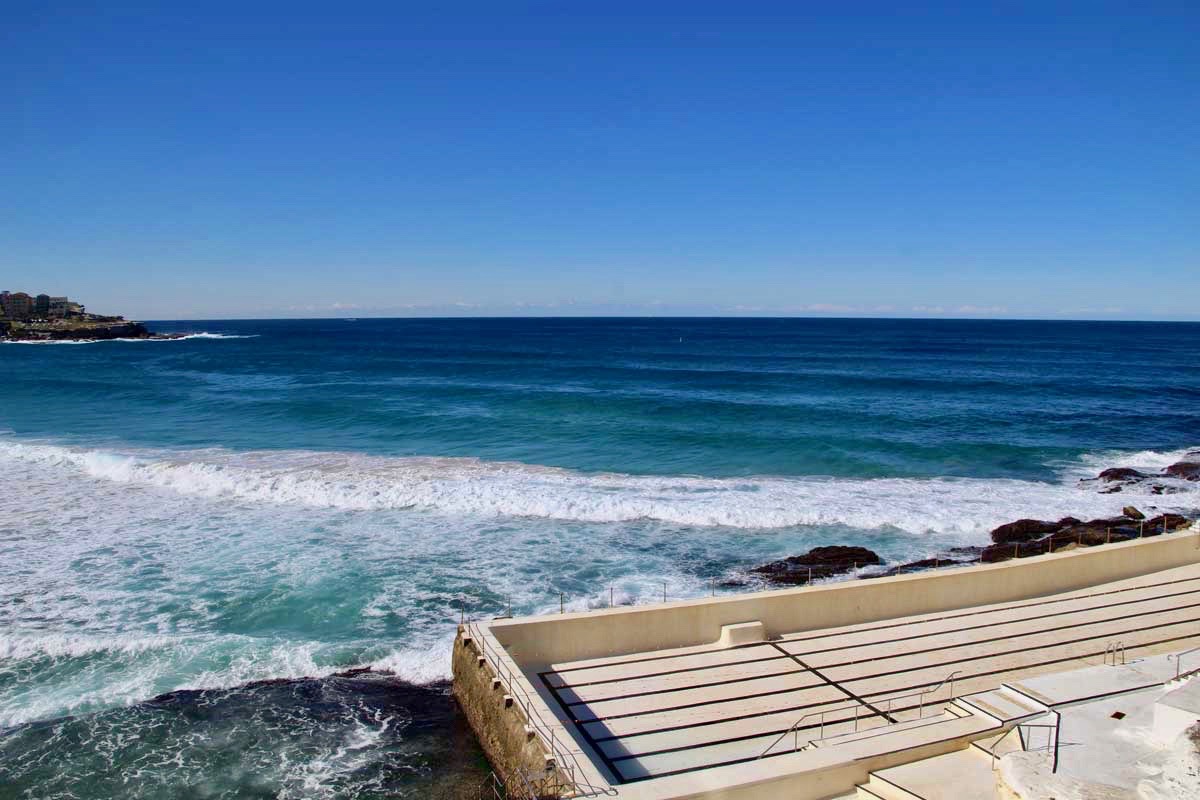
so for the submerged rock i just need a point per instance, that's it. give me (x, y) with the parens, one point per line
(1113, 474)
(820, 562)
(1188, 470)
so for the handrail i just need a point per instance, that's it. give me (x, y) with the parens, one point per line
(795, 726)
(1179, 659)
(565, 760)
(1056, 727)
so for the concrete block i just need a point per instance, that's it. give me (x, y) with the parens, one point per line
(742, 633)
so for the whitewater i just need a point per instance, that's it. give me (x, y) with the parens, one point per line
(132, 524)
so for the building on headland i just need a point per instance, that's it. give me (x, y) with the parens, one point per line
(16, 305)
(20, 307)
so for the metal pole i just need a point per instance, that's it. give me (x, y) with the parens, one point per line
(664, 591)
(810, 574)
(1141, 529)
(1108, 538)
(610, 597)
(714, 586)
(562, 603)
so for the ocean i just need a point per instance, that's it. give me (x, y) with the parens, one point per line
(231, 564)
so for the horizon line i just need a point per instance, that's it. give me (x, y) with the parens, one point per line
(346, 318)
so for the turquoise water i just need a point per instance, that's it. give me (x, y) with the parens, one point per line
(283, 501)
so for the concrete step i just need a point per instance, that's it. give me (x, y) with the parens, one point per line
(863, 793)
(883, 730)
(959, 775)
(1002, 704)
(879, 789)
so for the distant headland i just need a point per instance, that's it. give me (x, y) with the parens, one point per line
(35, 318)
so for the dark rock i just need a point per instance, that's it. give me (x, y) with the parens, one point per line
(1173, 522)
(1121, 474)
(1188, 470)
(999, 552)
(822, 562)
(917, 566)
(1023, 530)
(1110, 490)
(1132, 512)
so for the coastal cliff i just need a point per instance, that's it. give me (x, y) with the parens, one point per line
(74, 330)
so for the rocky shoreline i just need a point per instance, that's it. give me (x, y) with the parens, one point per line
(1018, 539)
(61, 331)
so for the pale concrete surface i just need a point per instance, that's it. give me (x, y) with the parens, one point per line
(1100, 755)
(1065, 688)
(961, 775)
(649, 697)
(667, 712)
(1177, 710)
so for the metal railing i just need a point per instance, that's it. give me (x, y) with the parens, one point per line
(1178, 657)
(796, 726)
(1114, 649)
(566, 758)
(1051, 738)
(606, 598)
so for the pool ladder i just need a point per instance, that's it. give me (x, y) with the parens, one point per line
(1114, 650)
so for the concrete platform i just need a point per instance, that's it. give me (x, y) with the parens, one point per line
(849, 680)
(660, 713)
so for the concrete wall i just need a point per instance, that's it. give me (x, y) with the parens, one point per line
(536, 641)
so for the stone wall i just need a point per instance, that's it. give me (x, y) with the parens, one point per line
(511, 745)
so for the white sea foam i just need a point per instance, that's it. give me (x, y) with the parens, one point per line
(52, 645)
(494, 489)
(1149, 461)
(156, 569)
(200, 335)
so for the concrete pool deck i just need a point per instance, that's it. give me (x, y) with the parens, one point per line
(806, 692)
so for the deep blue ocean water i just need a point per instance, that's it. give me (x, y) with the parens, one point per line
(293, 499)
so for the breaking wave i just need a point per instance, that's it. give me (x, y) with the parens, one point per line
(471, 487)
(200, 335)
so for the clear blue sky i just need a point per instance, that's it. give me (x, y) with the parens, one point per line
(293, 159)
